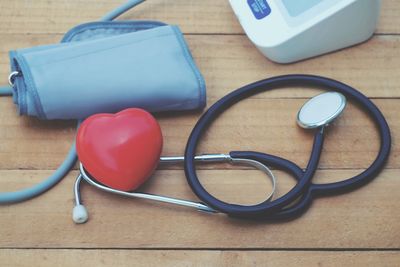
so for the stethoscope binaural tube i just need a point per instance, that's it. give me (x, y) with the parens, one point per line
(304, 188)
(80, 214)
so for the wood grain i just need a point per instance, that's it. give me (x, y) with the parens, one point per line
(193, 16)
(229, 62)
(357, 229)
(184, 258)
(365, 219)
(266, 125)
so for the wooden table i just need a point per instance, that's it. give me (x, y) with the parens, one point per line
(357, 229)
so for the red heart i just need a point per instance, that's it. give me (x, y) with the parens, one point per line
(120, 150)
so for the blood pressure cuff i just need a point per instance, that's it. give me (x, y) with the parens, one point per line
(107, 67)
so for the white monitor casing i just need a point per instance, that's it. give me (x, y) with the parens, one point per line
(325, 27)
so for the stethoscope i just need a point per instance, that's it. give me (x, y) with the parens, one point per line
(317, 113)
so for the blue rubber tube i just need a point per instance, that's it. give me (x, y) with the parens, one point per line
(121, 9)
(6, 91)
(69, 162)
(40, 188)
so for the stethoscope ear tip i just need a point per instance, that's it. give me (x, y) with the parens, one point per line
(80, 214)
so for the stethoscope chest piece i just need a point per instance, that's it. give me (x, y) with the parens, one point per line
(321, 110)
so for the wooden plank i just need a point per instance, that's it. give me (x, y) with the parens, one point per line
(266, 125)
(229, 62)
(49, 257)
(365, 219)
(41, 232)
(206, 16)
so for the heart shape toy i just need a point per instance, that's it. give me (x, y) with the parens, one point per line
(120, 150)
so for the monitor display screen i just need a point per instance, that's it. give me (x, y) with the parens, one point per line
(297, 7)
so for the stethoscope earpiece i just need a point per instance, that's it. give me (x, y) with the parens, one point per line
(80, 214)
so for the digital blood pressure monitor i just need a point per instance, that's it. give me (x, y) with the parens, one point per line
(291, 30)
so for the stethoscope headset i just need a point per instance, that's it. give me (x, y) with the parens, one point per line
(316, 114)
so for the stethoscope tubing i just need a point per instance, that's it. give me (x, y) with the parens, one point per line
(304, 188)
